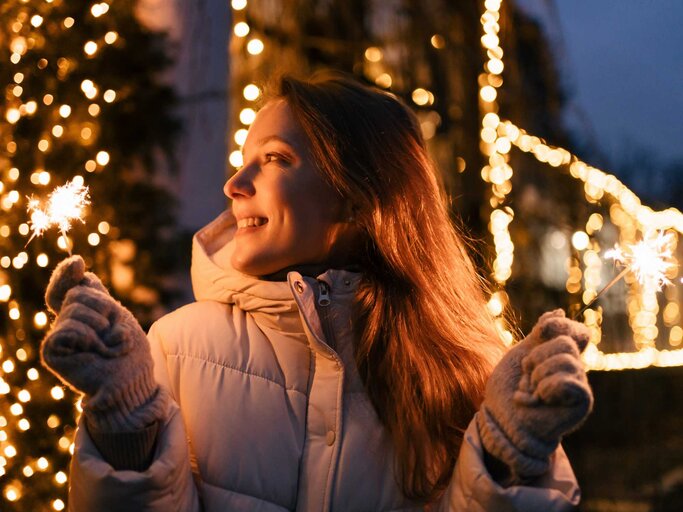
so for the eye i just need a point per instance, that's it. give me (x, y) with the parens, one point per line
(274, 156)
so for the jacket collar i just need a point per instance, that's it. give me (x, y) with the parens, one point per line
(214, 278)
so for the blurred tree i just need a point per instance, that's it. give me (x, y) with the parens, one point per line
(80, 101)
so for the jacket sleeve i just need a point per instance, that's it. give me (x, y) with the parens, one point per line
(473, 489)
(166, 486)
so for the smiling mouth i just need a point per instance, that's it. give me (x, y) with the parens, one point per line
(251, 222)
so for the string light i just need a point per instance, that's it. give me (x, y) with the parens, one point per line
(384, 80)
(422, 97)
(89, 89)
(240, 136)
(103, 227)
(251, 92)
(109, 96)
(110, 37)
(98, 10)
(235, 158)
(57, 393)
(90, 48)
(247, 116)
(93, 239)
(373, 54)
(102, 158)
(626, 213)
(241, 29)
(255, 46)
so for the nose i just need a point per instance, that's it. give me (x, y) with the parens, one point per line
(240, 184)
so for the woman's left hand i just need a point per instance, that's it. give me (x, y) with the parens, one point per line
(537, 393)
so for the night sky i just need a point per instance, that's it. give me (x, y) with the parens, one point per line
(622, 63)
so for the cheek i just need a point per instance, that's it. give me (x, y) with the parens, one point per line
(303, 232)
(314, 234)
(320, 197)
(314, 212)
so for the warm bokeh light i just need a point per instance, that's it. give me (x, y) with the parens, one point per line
(240, 136)
(255, 46)
(235, 159)
(241, 29)
(247, 116)
(103, 227)
(251, 92)
(373, 54)
(584, 273)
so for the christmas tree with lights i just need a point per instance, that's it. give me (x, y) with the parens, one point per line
(82, 103)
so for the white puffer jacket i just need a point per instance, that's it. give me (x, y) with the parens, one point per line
(270, 414)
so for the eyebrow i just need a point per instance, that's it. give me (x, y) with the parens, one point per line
(274, 137)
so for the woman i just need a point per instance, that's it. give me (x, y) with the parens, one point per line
(338, 349)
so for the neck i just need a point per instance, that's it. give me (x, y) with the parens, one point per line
(311, 270)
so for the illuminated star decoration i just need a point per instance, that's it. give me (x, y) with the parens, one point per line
(650, 259)
(65, 204)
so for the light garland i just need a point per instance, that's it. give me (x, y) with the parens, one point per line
(250, 92)
(494, 145)
(627, 213)
(630, 217)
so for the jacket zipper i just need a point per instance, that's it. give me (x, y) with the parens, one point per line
(324, 302)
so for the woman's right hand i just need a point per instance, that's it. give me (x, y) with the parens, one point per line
(98, 348)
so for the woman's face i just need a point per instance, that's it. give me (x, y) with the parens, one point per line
(287, 215)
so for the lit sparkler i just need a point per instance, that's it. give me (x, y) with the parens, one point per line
(64, 205)
(649, 260)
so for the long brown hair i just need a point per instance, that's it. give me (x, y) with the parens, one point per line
(425, 341)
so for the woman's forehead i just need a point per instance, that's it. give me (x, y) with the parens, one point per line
(275, 121)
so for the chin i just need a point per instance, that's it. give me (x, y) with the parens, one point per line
(243, 265)
(251, 266)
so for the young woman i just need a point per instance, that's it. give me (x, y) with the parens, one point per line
(337, 352)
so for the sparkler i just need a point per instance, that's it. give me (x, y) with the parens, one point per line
(649, 260)
(65, 204)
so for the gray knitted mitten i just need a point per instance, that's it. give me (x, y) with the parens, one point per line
(536, 394)
(98, 348)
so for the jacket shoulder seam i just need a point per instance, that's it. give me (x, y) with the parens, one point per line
(235, 369)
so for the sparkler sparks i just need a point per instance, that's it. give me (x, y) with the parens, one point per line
(64, 205)
(650, 259)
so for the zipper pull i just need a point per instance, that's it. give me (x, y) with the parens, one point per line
(324, 297)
